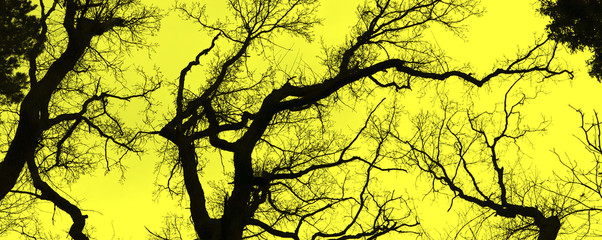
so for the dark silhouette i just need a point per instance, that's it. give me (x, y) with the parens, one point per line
(18, 29)
(272, 125)
(578, 24)
(476, 156)
(583, 178)
(290, 171)
(64, 95)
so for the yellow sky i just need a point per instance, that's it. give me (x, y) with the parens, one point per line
(121, 210)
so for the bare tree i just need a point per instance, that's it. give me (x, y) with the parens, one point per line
(580, 179)
(272, 125)
(477, 157)
(71, 96)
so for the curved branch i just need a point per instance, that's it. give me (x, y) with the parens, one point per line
(47, 193)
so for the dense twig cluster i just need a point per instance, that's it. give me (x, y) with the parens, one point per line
(290, 167)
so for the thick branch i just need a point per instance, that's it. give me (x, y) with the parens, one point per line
(79, 220)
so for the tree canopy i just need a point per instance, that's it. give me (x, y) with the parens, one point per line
(18, 30)
(416, 124)
(577, 23)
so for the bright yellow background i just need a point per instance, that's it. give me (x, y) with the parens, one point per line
(121, 209)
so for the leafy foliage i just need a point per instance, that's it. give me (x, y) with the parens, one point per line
(17, 34)
(577, 23)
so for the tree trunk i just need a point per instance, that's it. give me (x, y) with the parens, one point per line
(205, 227)
(21, 148)
(237, 211)
(548, 228)
(30, 126)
